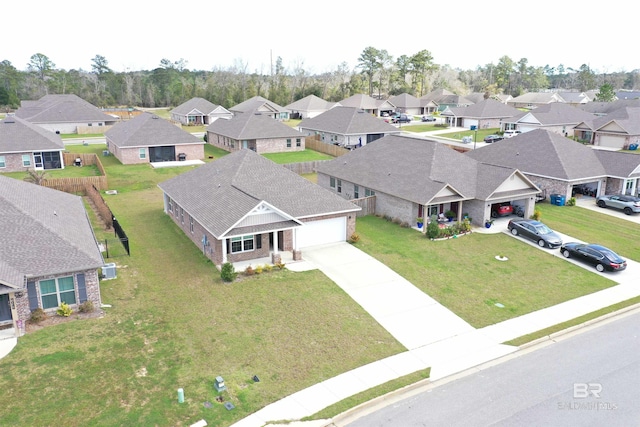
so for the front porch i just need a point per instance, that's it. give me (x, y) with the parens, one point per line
(286, 258)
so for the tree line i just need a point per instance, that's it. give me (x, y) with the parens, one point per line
(377, 74)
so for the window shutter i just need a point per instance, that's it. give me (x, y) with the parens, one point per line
(33, 295)
(82, 288)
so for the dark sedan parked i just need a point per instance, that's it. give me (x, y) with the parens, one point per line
(597, 255)
(536, 231)
(492, 138)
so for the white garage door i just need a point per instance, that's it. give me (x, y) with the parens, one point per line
(321, 232)
(611, 141)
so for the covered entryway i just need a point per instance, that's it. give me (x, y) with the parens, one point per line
(5, 309)
(321, 232)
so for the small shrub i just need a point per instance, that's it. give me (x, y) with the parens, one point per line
(37, 315)
(86, 307)
(259, 269)
(268, 268)
(388, 218)
(249, 271)
(433, 230)
(396, 221)
(405, 224)
(571, 201)
(64, 310)
(536, 214)
(280, 265)
(228, 272)
(355, 238)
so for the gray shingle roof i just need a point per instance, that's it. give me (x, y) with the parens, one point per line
(556, 113)
(405, 100)
(485, 109)
(619, 164)
(17, 135)
(537, 98)
(543, 153)
(363, 102)
(311, 103)
(222, 192)
(199, 104)
(61, 109)
(43, 231)
(252, 126)
(347, 121)
(257, 103)
(149, 130)
(628, 118)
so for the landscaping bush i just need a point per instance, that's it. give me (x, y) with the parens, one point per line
(268, 268)
(228, 272)
(86, 307)
(259, 269)
(280, 265)
(37, 315)
(536, 214)
(433, 230)
(355, 237)
(249, 271)
(64, 310)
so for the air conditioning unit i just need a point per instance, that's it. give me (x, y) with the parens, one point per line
(109, 271)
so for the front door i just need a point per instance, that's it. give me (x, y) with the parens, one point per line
(5, 309)
(37, 160)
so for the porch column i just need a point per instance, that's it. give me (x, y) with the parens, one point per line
(275, 242)
(18, 324)
(224, 251)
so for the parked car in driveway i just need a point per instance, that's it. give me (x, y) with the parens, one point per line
(510, 133)
(402, 118)
(597, 255)
(536, 231)
(628, 204)
(492, 138)
(501, 209)
(428, 119)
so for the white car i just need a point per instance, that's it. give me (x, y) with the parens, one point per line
(510, 133)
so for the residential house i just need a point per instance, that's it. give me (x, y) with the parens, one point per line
(49, 253)
(375, 107)
(261, 105)
(628, 94)
(407, 104)
(65, 114)
(555, 117)
(26, 146)
(603, 108)
(534, 99)
(487, 113)
(244, 207)
(442, 99)
(347, 126)
(254, 131)
(148, 138)
(198, 112)
(413, 177)
(555, 164)
(619, 129)
(575, 98)
(309, 107)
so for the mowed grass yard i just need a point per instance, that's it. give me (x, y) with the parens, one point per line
(173, 323)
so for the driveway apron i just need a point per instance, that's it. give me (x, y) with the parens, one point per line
(411, 316)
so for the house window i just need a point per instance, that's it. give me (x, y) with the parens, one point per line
(3, 163)
(288, 142)
(26, 160)
(169, 204)
(356, 191)
(339, 186)
(181, 215)
(99, 124)
(53, 292)
(190, 223)
(332, 182)
(241, 244)
(90, 124)
(298, 142)
(369, 192)
(142, 152)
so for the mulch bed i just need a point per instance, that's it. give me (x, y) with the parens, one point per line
(54, 319)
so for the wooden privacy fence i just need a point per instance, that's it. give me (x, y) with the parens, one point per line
(100, 206)
(314, 143)
(368, 205)
(79, 184)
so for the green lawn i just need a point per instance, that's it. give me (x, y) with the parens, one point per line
(297, 156)
(464, 276)
(478, 135)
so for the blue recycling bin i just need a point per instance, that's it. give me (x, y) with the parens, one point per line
(553, 198)
(560, 200)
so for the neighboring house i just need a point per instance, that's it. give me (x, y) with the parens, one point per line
(199, 111)
(261, 105)
(309, 107)
(604, 108)
(442, 99)
(487, 113)
(407, 104)
(245, 207)
(26, 146)
(49, 253)
(254, 131)
(347, 126)
(413, 177)
(65, 114)
(368, 104)
(534, 99)
(556, 117)
(627, 94)
(561, 166)
(148, 138)
(575, 98)
(618, 130)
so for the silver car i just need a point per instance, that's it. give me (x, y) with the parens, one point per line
(628, 204)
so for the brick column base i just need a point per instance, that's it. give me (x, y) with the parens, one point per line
(297, 255)
(276, 259)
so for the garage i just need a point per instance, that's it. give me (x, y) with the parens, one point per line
(611, 141)
(322, 232)
(590, 189)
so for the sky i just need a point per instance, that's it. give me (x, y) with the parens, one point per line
(316, 36)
